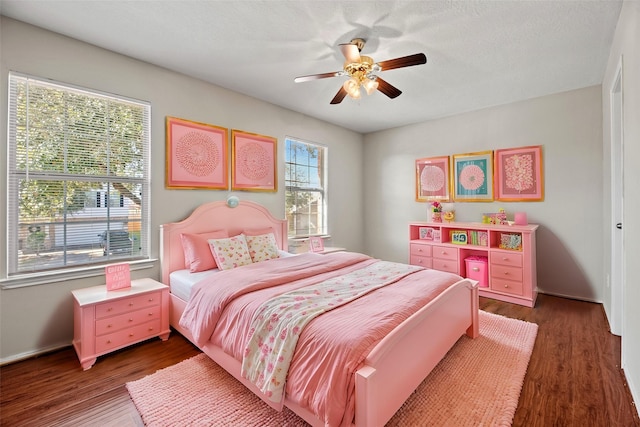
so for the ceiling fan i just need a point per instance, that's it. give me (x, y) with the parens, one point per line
(362, 71)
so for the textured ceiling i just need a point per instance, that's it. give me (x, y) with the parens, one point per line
(479, 53)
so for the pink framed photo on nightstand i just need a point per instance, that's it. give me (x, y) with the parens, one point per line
(316, 244)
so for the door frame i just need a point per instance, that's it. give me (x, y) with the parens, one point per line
(617, 279)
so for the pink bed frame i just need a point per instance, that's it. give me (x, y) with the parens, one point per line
(393, 369)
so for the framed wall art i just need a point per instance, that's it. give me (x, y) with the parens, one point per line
(253, 162)
(473, 177)
(316, 244)
(197, 155)
(518, 174)
(426, 233)
(432, 179)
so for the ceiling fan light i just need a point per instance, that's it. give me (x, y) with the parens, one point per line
(352, 87)
(370, 85)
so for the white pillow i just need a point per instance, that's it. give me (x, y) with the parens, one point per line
(231, 252)
(262, 247)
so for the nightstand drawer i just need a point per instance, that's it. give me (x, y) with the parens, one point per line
(422, 261)
(125, 305)
(416, 249)
(445, 252)
(445, 265)
(509, 273)
(505, 258)
(127, 336)
(506, 286)
(115, 323)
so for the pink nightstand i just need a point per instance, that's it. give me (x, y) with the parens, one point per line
(105, 321)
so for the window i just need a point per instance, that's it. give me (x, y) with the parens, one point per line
(305, 181)
(78, 177)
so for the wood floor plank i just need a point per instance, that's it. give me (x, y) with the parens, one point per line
(573, 379)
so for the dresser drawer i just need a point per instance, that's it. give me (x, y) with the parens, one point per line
(509, 273)
(121, 321)
(505, 258)
(127, 336)
(127, 304)
(445, 252)
(422, 261)
(445, 265)
(506, 286)
(416, 249)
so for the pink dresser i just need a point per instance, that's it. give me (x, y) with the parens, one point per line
(105, 321)
(508, 271)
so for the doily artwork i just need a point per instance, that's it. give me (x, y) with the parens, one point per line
(519, 172)
(432, 178)
(471, 177)
(197, 154)
(253, 161)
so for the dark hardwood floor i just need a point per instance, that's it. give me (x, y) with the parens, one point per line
(573, 379)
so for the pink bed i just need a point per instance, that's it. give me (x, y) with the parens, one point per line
(393, 365)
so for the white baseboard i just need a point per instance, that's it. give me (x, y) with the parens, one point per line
(28, 354)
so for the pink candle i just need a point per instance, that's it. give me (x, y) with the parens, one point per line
(520, 218)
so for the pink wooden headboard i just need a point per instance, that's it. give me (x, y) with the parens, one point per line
(215, 216)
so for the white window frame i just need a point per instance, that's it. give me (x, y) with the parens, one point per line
(15, 277)
(320, 189)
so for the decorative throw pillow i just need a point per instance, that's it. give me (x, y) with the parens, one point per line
(197, 255)
(231, 252)
(262, 247)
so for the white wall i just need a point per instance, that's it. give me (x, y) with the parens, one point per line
(40, 317)
(625, 44)
(568, 126)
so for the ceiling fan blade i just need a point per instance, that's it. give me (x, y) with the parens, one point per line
(387, 89)
(339, 96)
(317, 76)
(350, 52)
(405, 61)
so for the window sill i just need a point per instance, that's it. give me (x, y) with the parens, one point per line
(25, 280)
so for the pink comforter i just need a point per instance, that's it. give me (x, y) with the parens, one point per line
(334, 345)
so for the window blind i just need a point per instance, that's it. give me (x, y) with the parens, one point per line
(78, 176)
(305, 178)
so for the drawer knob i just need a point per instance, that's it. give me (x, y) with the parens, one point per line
(151, 313)
(444, 252)
(506, 286)
(506, 273)
(108, 341)
(505, 258)
(475, 269)
(151, 329)
(150, 299)
(130, 304)
(109, 325)
(110, 309)
(130, 320)
(131, 334)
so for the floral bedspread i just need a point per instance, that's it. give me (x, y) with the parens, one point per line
(278, 323)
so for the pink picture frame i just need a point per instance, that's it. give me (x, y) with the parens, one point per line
(433, 181)
(197, 155)
(316, 244)
(253, 162)
(117, 276)
(519, 174)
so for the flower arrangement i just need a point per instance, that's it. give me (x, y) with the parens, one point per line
(436, 211)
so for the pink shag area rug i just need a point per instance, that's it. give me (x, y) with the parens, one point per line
(477, 383)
